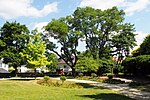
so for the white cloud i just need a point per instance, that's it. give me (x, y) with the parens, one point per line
(10, 9)
(137, 6)
(101, 4)
(39, 26)
(129, 7)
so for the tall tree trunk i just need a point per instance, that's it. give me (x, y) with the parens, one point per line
(73, 72)
(35, 73)
(16, 71)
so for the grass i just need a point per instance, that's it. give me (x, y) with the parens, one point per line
(30, 90)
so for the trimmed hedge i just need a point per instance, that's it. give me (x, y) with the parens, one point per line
(139, 65)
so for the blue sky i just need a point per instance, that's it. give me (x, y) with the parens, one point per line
(36, 13)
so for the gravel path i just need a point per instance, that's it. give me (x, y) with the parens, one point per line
(122, 88)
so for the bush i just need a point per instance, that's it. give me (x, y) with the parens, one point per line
(110, 76)
(80, 74)
(93, 75)
(46, 78)
(11, 69)
(58, 83)
(63, 78)
(137, 65)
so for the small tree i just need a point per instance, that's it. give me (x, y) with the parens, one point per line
(34, 53)
(87, 64)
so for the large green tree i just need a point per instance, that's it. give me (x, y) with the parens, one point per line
(99, 27)
(68, 38)
(13, 38)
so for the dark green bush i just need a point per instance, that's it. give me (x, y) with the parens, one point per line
(137, 65)
(63, 78)
(110, 76)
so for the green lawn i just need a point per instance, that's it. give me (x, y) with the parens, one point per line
(30, 90)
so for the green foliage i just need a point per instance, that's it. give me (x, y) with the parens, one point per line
(93, 75)
(56, 83)
(106, 66)
(46, 78)
(80, 74)
(86, 64)
(67, 37)
(58, 27)
(99, 28)
(124, 40)
(63, 79)
(110, 76)
(11, 69)
(137, 65)
(135, 52)
(16, 36)
(144, 48)
(34, 52)
(54, 61)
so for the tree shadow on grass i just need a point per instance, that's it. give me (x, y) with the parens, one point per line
(85, 85)
(107, 96)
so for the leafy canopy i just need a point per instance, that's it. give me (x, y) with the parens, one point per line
(34, 52)
(13, 39)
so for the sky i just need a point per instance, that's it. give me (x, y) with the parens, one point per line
(37, 13)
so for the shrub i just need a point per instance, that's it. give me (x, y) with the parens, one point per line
(137, 65)
(93, 75)
(80, 74)
(63, 78)
(110, 76)
(58, 83)
(11, 69)
(46, 78)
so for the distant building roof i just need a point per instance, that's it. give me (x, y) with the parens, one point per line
(61, 61)
(3, 71)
